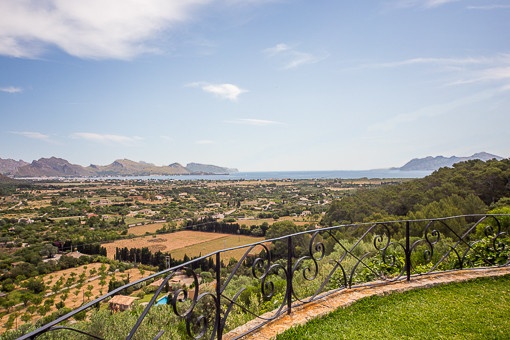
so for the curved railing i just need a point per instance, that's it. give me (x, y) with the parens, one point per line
(267, 279)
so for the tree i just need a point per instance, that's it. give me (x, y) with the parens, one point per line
(26, 297)
(48, 250)
(26, 317)
(283, 228)
(7, 303)
(36, 285)
(88, 293)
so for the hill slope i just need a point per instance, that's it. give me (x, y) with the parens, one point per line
(210, 169)
(52, 167)
(126, 167)
(58, 167)
(434, 163)
(10, 166)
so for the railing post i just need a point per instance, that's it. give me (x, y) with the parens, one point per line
(289, 274)
(408, 253)
(217, 321)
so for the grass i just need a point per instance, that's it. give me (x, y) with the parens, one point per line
(133, 220)
(477, 309)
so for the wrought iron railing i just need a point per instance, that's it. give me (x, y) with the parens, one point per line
(275, 275)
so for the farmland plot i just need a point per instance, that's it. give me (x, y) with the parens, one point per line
(191, 243)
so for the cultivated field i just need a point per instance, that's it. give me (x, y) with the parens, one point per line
(191, 243)
(76, 295)
(140, 230)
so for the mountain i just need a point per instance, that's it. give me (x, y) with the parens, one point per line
(434, 163)
(58, 167)
(126, 167)
(209, 169)
(52, 167)
(10, 166)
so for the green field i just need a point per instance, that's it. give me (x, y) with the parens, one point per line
(478, 309)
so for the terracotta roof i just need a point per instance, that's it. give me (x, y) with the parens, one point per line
(122, 300)
(75, 254)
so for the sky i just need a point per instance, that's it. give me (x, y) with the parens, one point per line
(257, 85)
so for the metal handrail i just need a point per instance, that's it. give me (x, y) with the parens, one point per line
(418, 249)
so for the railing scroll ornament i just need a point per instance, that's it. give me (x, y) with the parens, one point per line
(264, 284)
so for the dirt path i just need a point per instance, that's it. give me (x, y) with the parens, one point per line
(301, 314)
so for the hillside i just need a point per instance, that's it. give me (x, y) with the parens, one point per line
(210, 169)
(126, 167)
(58, 167)
(434, 163)
(8, 185)
(470, 187)
(52, 167)
(10, 166)
(7, 180)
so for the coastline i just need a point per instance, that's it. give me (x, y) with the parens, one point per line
(263, 175)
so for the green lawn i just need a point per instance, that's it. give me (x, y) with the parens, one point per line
(478, 309)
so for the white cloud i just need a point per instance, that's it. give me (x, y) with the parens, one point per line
(226, 91)
(300, 58)
(485, 75)
(97, 29)
(489, 7)
(489, 77)
(11, 89)
(427, 4)
(437, 3)
(291, 57)
(463, 71)
(33, 135)
(436, 110)
(435, 61)
(279, 48)
(106, 138)
(422, 3)
(254, 122)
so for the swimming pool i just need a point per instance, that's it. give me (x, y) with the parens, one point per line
(162, 301)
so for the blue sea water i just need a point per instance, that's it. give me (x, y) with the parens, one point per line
(281, 175)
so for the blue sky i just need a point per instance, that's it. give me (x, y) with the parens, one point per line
(254, 84)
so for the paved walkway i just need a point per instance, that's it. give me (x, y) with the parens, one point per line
(301, 314)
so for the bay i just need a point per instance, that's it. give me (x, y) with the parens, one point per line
(283, 175)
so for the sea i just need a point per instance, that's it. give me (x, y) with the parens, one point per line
(283, 175)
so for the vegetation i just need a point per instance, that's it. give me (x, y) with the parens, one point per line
(476, 309)
(468, 188)
(8, 185)
(42, 226)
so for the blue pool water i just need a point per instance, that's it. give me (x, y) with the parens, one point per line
(162, 301)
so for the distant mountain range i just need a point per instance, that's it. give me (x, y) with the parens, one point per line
(9, 166)
(434, 163)
(58, 167)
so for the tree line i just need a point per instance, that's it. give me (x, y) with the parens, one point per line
(159, 259)
(209, 224)
(470, 187)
